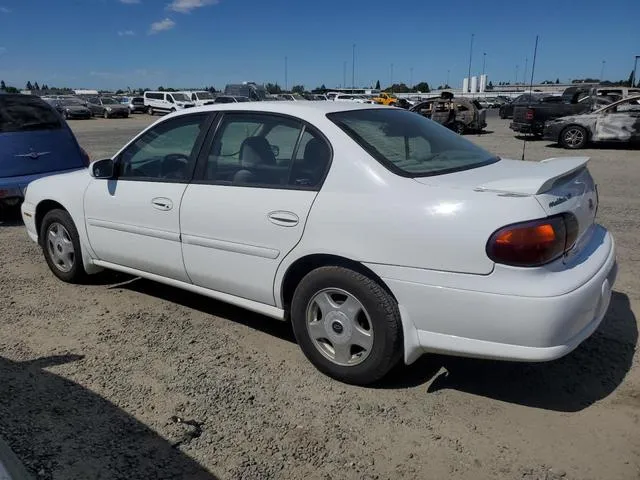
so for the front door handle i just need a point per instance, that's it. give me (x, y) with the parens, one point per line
(162, 203)
(283, 219)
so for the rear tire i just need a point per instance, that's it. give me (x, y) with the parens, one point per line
(573, 137)
(347, 325)
(150, 111)
(105, 114)
(61, 246)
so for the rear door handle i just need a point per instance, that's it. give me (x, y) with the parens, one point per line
(283, 219)
(162, 203)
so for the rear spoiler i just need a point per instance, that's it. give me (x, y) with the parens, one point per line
(547, 172)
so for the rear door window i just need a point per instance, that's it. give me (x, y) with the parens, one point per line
(20, 113)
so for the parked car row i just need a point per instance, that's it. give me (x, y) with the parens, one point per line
(580, 116)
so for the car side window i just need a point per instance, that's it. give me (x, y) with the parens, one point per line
(254, 150)
(166, 152)
(312, 159)
(170, 98)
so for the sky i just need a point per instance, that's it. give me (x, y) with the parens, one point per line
(110, 44)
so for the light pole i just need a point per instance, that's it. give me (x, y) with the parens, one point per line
(286, 74)
(344, 74)
(470, 56)
(411, 77)
(391, 77)
(484, 61)
(447, 84)
(526, 64)
(635, 68)
(353, 67)
(517, 67)
(602, 71)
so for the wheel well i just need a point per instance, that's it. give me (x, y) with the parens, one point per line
(304, 265)
(42, 209)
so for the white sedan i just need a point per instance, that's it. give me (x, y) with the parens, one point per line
(379, 234)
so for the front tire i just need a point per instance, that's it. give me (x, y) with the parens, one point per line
(105, 114)
(347, 325)
(573, 137)
(61, 246)
(150, 111)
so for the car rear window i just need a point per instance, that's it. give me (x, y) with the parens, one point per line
(19, 113)
(409, 144)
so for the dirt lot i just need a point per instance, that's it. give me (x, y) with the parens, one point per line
(128, 379)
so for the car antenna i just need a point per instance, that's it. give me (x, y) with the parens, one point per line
(533, 69)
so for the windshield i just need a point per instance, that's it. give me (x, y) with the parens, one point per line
(409, 144)
(204, 95)
(180, 97)
(242, 99)
(72, 102)
(108, 101)
(23, 112)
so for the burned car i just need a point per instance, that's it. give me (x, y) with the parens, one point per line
(617, 122)
(457, 113)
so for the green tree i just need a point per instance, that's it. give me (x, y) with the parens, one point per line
(378, 84)
(36, 86)
(298, 89)
(421, 87)
(161, 88)
(398, 88)
(119, 92)
(29, 86)
(3, 86)
(273, 88)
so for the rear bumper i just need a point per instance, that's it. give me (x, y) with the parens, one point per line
(516, 326)
(522, 127)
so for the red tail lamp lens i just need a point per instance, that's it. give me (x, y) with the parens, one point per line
(529, 114)
(531, 244)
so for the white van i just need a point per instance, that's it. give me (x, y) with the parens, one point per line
(200, 97)
(166, 102)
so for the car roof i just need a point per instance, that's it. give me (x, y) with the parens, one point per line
(302, 108)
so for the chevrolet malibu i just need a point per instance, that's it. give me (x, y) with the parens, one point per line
(379, 234)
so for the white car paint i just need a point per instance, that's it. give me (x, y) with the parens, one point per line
(424, 238)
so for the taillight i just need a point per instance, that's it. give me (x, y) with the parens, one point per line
(534, 243)
(85, 157)
(529, 114)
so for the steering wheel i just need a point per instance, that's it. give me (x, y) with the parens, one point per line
(174, 165)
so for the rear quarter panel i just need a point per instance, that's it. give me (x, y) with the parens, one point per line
(368, 214)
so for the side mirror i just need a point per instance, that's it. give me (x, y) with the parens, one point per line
(276, 150)
(104, 169)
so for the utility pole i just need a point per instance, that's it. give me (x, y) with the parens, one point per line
(353, 67)
(344, 74)
(286, 75)
(470, 56)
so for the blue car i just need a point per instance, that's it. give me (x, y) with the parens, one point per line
(35, 142)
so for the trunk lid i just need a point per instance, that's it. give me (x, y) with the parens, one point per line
(558, 184)
(41, 151)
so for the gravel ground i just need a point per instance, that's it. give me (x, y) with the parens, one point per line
(128, 379)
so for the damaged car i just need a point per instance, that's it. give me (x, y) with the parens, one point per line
(617, 122)
(459, 114)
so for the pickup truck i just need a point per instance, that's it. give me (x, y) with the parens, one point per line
(386, 99)
(574, 101)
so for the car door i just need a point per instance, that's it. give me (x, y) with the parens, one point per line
(619, 122)
(247, 206)
(133, 220)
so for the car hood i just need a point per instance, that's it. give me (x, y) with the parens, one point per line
(117, 106)
(75, 108)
